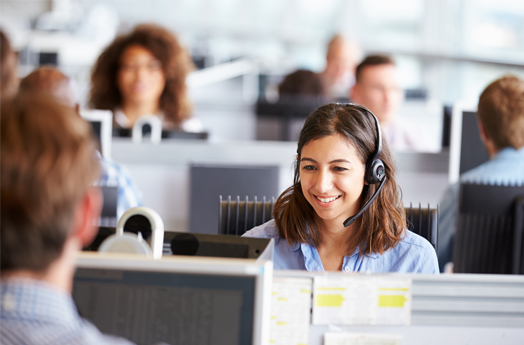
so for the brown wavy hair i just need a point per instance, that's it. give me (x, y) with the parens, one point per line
(383, 224)
(176, 64)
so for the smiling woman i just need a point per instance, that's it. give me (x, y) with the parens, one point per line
(338, 146)
(144, 73)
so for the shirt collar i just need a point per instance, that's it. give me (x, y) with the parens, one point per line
(32, 299)
(313, 262)
(509, 152)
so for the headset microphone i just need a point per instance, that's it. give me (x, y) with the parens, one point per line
(375, 171)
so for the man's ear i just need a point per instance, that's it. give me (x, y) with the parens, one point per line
(486, 140)
(483, 135)
(86, 214)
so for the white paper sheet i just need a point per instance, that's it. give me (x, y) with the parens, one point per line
(362, 339)
(362, 300)
(290, 311)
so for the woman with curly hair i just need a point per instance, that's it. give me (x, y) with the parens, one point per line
(344, 211)
(144, 73)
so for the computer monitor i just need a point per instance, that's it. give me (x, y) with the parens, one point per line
(466, 148)
(446, 126)
(176, 300)
(102, 123)
(209, 181)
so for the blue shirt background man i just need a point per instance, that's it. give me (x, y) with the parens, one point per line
(501, 125)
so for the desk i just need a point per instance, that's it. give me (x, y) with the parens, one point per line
(162, 171)
(449, 309)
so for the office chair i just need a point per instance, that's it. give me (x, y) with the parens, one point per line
(423, 221)
(235, 218)
(489, 229)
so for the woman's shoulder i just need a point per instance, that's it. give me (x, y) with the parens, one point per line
(414, 240)
(415, 254)
(266, 230)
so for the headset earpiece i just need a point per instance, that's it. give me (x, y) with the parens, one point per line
(375, 169)
(375, 172)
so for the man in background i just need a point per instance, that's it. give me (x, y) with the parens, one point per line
(47, 208)
(50, 81)
(8, 67)
(342, 57)
(377, 87)
(501, 125)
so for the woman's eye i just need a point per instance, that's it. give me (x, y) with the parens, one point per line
(339, 169)
(308, 167)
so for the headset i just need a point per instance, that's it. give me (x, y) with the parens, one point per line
(375, 170)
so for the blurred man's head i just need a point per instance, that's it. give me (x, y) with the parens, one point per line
(341, 59)
(501, 114)
(50, 81)
(47, 166)
(302, 83)
(377, 87)
(8, 66)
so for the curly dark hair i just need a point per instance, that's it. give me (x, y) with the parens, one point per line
(176, 64)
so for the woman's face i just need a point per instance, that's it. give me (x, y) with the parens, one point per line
(140, 76)
(332, 177)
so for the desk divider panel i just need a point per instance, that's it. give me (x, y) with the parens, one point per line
(451, 309)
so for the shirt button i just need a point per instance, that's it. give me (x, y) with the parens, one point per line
(346, 269)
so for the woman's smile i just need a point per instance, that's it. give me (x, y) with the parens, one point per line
(332, 177)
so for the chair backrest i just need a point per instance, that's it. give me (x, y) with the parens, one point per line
(208, 182)
(423, 221)
(489, 229)
(235, 218)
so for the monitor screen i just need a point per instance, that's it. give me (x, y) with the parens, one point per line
(466, 148)
(102, 123)
(472, 151)
(148, 306)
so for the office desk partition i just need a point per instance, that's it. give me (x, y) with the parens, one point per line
(162, 171)
(445, 309)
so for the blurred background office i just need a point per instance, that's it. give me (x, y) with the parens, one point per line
(445, 51)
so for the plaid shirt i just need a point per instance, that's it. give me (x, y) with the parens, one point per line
(34, 312)
(113, 174)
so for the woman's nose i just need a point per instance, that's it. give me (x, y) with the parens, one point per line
(324, 182)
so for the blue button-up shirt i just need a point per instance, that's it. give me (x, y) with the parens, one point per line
(505, 168)
(113, 174)
(413, 254)
(34, 312)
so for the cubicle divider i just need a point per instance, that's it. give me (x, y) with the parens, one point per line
(300, 307)
(163, 171)
(396, 309)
